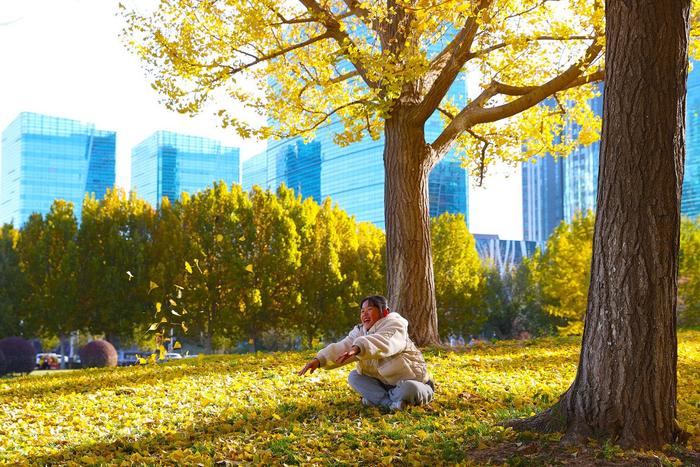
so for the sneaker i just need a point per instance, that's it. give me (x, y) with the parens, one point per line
(397, 406)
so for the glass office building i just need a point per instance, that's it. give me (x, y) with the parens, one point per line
(504, 255)
(352, 176)
(46, 158)
(690, 201)
(168, 164)
(578, 175)
(543, 202)
(555, 189)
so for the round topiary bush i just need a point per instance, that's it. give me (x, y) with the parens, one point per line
(98, 354)
(20, 356)
(3, 363)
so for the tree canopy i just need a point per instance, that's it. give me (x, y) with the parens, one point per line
(306, 63)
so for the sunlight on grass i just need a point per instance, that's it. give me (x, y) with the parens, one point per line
(253, 408)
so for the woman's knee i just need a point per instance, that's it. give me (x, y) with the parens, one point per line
(415, 392)
(353, 378)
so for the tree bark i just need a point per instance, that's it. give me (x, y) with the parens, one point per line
(625, 387)
(410, 281)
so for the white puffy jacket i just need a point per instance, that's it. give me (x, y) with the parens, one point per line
(386, 352)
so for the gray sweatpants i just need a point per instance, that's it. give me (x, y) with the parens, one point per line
(377, 393)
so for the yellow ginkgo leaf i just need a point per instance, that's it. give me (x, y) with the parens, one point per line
(172, 302)
(184, 328)
(152, 285)
(184, 311)
(219, 238)
(249, 268)
(159, 306)
(153, 326)
(177, 345)
(131, 276)
(163, 320)
(188, 268)
(175, 312)
(196, 263)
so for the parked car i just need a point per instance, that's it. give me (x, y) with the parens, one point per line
(48, 361)
(130, 358)
(172, 356)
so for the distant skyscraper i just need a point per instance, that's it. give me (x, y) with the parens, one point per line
(579, 174)
(167, 164)
(554, 189)
(581, 169)
(46, 158)
(351, 176)
(690, 201)
(543, 207)
(503, 254)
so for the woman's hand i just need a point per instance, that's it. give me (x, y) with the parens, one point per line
(312, 366)
(354, 350)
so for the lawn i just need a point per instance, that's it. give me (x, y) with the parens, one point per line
(254, 409)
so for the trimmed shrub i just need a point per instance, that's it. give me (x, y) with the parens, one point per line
(98, 354)
(20, 356)
(3, 363)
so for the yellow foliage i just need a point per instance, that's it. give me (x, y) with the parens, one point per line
(254, 409)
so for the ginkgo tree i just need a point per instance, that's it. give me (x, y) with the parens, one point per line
(385, 67)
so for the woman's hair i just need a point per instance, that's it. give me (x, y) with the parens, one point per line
(378, 301)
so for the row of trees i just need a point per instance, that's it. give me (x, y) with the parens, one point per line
(225, 265)
(221, 264)
(560, 274)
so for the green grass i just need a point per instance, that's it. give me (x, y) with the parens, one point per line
(254, 409)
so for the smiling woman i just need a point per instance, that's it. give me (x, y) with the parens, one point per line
(391, 372)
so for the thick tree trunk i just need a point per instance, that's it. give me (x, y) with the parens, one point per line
(410, 282)
(625, 388)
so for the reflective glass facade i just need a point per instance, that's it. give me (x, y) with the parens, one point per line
(168, 164)
(543, 207)
(581, 170)
(554, 189)
(503, 254)
(353, 176)
(690, 200)
(46, 158)
(579, 175)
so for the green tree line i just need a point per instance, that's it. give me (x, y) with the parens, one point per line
(233, 265)
(224, 266)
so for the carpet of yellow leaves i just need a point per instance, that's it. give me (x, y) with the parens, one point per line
(254, 409)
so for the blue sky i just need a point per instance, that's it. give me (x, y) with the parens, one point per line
(64, 58)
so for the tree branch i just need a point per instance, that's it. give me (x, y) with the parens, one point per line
(327, 115)
(472, 114)
(502, 45)
(482, 158)
(334, 30)
(446, 66)
(362, 13)
(509, 90)
(277, 53)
